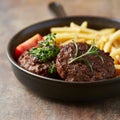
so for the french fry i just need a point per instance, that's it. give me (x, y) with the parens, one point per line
(83, 25)
(108, 31)
(74, 25)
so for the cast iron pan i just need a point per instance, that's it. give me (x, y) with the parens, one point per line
(55, 88)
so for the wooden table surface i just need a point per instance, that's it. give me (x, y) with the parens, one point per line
(19, 103)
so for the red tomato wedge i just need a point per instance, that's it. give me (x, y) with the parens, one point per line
(31, 42)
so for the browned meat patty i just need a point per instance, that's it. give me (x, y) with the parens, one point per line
(79, 70)
(31, 64)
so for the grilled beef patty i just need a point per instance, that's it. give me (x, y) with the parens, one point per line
(79, 70)
(32, 64)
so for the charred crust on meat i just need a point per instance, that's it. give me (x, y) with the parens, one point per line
(79, 71)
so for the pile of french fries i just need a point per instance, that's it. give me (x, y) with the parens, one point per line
(107, 39)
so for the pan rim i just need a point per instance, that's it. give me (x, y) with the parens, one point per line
(13, 62)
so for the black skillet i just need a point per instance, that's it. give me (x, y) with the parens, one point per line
(56, 88)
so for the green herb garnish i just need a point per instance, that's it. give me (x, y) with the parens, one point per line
(91, 51)
(53, 68)
(46, 50)
(76, 48)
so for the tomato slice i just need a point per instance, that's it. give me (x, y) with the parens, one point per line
(31, 42)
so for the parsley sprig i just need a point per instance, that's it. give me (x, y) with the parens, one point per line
(47, 49)
(53, 68)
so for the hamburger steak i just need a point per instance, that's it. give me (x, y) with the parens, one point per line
(32, 64)
(102, 65)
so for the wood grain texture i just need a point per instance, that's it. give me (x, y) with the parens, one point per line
(18, 102)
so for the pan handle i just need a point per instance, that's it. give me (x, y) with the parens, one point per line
(57, 9)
